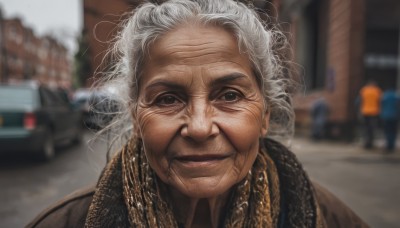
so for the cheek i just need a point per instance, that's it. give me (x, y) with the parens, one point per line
(153, 129)
(244, 161)
(244, 128)
(156, 132)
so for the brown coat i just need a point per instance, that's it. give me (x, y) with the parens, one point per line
(72, 211)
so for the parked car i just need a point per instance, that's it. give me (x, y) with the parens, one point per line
(98, 108)
(34, 119)
(80, 101)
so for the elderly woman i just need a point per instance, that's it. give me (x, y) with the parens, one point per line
(202, 90)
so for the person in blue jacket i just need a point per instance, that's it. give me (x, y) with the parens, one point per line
(319, 116)
(389, 115)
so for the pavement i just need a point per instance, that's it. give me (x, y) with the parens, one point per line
(368, 181)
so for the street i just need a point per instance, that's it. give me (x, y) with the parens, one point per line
(367, 181)
(30, 186)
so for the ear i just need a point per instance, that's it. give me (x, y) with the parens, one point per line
(265, 123)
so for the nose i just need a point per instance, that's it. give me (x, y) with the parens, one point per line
(199, 124)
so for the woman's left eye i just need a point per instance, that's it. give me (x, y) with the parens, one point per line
(231, 96)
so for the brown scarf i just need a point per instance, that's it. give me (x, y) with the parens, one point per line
(130, 195)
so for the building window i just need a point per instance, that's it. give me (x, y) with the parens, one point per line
(311, 41)
(381, 56)
(12, 32)
(40, 69)
(19, 63)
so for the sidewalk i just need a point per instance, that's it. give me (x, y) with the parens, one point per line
(365, 180)
(305, 145)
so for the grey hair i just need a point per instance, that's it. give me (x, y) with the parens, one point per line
(265, 45)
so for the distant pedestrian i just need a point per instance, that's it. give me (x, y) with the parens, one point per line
(370, 98)
(389, 116)
(319, 116)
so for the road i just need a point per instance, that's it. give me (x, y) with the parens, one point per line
(27, 187)
(367, 181)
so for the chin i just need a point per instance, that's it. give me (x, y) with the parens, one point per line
(202, 187)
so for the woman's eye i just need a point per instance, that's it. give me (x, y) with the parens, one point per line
(167, 100)
(230, 96)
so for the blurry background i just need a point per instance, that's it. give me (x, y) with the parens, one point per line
(340, 44)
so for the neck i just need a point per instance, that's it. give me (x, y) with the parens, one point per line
(195, 212)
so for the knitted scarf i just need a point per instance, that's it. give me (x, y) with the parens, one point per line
(275, 193)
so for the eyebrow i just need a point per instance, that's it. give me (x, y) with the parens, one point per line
(219, 81)
(168, 84)
(228, 78)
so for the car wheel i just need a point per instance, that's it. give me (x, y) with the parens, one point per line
(47, 151)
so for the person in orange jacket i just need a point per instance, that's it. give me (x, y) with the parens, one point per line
(370, 97)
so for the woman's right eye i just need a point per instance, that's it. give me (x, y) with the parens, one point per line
(167, 99)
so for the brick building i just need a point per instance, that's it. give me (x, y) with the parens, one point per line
(100, 19)
(54, 67)
(25, 56)
(339, 44)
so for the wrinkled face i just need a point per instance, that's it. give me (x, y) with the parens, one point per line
(200, 112)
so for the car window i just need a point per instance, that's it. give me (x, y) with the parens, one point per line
(52, 98)
(63, 95)
(18, 97)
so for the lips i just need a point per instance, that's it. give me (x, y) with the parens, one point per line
(201, 158)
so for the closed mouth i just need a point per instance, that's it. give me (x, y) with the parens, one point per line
(201, 158)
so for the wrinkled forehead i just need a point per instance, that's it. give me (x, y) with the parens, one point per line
(197, 45)
(189, 44)
(189, 48)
